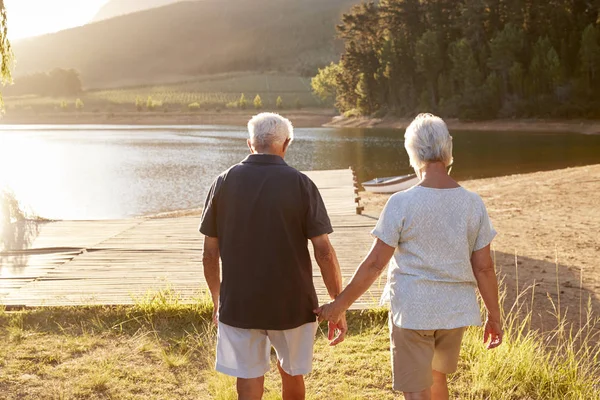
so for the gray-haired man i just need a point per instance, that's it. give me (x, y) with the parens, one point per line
(258, 218)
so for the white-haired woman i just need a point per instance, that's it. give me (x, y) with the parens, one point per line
(437, 236)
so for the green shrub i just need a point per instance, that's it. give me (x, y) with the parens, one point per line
(194, 106)
(258, 102)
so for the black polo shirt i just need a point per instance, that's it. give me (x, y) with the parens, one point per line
(263, 212)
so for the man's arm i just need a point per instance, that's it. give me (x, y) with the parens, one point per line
(329, 265)
(332, 277)
(212, 271)
(485, 274)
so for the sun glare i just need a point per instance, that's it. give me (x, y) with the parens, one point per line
(37, 17)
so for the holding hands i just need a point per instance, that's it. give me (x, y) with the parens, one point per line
(337, 325)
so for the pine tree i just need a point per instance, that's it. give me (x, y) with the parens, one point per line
(242, 102)
(279, 103)
(258, 102)
(589, 54)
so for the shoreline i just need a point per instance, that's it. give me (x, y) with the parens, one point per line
(586, 127)
(304, 118)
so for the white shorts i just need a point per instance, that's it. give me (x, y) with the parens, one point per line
(245, 353)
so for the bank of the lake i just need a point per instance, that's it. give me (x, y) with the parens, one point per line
(587, 127)
(305, 118)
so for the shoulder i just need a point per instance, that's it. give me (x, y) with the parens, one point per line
(303, 178)
(474, 197)
(405, 197)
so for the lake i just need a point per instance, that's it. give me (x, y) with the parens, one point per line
(105, 172)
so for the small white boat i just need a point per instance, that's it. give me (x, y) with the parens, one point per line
(392, 184)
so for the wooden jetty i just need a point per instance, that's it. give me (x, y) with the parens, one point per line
(120, 262)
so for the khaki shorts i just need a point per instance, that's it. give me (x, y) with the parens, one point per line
(415, 353)
(246, 353)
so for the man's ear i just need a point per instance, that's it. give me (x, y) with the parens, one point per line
(250, 146)
(286, 144)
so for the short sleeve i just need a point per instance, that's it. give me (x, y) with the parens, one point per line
(486, 232)
(317, 221)
(208, 222)
(389, 226)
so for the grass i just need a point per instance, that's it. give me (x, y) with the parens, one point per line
(209, 92)
(164, 349)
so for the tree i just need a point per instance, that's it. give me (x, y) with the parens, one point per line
(139, 104)
(258, 102)
(149, 103)
(242, 102)
(279, 103)
(79, 104)
(325, 83)
(544, 67)
(429, 59)
(504, 50)
(589, 54)
(6, 54)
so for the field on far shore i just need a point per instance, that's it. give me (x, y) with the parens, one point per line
(206, 93)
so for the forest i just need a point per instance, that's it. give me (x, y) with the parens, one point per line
(56, 83)
(470, 59)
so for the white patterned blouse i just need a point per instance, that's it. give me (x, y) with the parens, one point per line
(430, 279)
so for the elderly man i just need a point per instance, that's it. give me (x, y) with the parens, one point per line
(258, 218)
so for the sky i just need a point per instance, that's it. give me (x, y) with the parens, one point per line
(37, 17)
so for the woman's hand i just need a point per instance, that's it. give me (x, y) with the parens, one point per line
(336, 317)
(493, 333)
(331, 312)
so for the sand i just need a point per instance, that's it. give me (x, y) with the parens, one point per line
(549, 222)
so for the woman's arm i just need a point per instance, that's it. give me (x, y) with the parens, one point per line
(485, 274)
(368, 271)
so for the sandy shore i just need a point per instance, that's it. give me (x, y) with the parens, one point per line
(548, 222)
(575, 126)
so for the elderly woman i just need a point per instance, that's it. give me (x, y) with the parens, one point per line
(439, 236)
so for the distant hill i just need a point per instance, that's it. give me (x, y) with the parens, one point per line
(187, 39)
(116, 8)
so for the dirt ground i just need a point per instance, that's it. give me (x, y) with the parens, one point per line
(549, 222)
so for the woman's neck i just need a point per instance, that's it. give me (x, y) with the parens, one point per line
(434, 175)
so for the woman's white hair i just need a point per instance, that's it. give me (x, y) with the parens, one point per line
(268, 129)
(427, 140)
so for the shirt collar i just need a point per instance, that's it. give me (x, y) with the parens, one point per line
(263, 159)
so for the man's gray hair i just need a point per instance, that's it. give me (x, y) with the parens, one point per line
(268, 129)
(427, 140)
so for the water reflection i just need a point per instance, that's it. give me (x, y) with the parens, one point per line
(17, 233)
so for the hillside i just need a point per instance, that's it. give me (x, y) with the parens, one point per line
(188, 39)
(115, 8)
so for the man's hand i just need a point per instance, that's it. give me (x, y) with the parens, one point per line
(215, 316)
(336, 333)
(493, 333)
(337, 325)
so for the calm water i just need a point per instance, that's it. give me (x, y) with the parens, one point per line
(102, 172)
